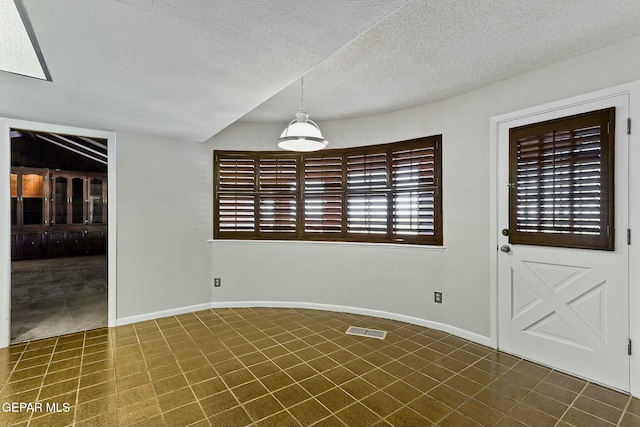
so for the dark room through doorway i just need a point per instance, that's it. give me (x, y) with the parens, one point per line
(58, 234)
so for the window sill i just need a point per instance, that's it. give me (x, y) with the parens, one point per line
(318, 243)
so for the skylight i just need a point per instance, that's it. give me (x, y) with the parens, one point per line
(19, 50)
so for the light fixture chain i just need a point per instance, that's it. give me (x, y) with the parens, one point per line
(302, 94)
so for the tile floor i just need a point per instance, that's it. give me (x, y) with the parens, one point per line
(288, 367)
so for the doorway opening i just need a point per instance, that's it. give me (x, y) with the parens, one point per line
(59, 266)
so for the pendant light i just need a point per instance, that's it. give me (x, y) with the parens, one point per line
(302, 134)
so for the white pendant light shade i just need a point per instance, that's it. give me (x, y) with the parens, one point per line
(302, 134)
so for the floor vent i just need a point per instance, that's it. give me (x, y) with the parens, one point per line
(364, 332)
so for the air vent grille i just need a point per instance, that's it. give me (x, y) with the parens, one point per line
(364, 332)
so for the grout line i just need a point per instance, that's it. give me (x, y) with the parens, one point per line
(77, 402)
(624, 411)
(112, 342)
(596, 400)
(295, 382)
(147, 370)
(270, 392)
(162, 411)
(487, 386)
(573, 401)
(44, 376)
(13, 369)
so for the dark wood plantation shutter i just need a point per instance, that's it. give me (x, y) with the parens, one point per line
(234, 197)
(415, 178)
(278, 195)
(383, 193)
(561, 179)
(323, 195)
(367, 193)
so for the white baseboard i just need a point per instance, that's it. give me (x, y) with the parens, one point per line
(161, 314)
(453, 330)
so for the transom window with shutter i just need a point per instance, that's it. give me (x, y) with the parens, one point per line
(561, 179)
(385, 193)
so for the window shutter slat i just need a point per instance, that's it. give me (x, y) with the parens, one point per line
(563, 187)
(323, 214)
(236, 174)
(367, 213)
(555, 177)
(322, 174)
(236, 212)
(414, 179)
(278, 174)
(323, 209)
(278, 199)
(414, 213)
(367, 171)
(235, 199)
(384, 193)
(278, 213)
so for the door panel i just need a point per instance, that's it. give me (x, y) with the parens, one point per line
(565, 311)
(75, 243)
(60, 200)
(77, 201)
(34, 245)
(567, 307)
(96, 243)
(57, 243)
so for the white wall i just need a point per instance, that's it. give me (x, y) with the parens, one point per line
(397, 279)
(164, 218)
(164, 221)
(165, 213)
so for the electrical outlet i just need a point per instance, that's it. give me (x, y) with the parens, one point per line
(437, 297)
(217, 282)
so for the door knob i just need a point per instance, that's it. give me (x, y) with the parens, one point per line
(505, 248)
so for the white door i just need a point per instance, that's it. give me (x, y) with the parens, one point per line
(565, 307)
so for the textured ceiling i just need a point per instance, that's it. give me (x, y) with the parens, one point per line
(177, 68)
(189, 68)
(432, 50)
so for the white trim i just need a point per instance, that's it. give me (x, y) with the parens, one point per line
(112, 231)
(462, 333)
(471, 336)
(493, 232)
(5, 212)
(162, 313)
(5, 236)
(329, 242)
(634, 225)
(633, 91)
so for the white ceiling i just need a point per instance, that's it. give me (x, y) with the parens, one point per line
(177, 68)
(189, 68)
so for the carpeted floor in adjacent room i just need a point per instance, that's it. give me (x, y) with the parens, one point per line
(57, 296)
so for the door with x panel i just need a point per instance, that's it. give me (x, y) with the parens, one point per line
(562, 223)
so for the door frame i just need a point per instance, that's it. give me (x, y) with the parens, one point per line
(6, 124)
(495, 146)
